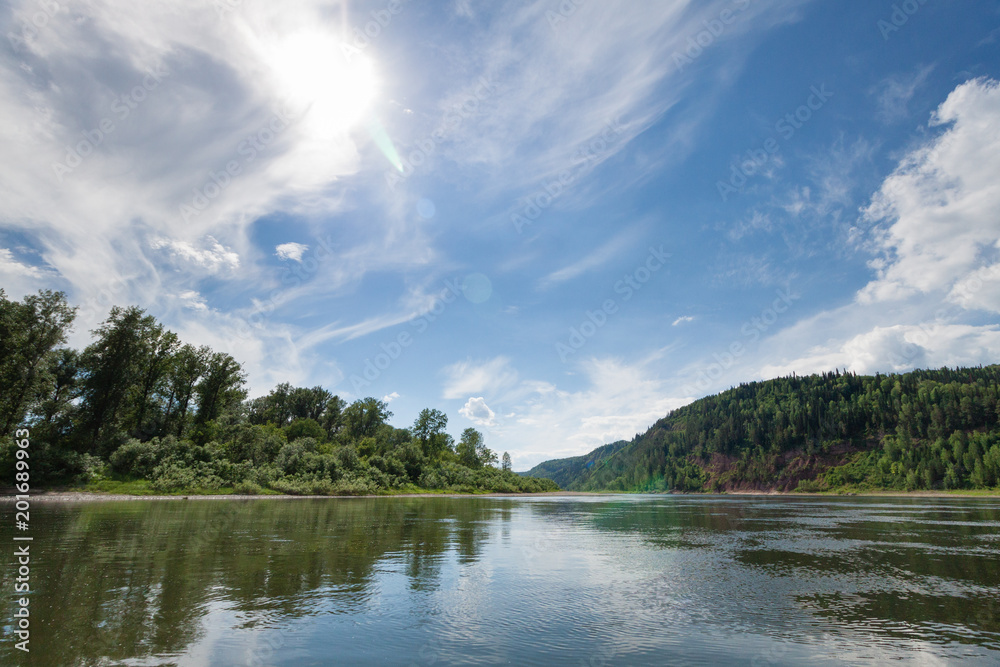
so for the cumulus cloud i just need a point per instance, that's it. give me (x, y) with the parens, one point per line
(899, 348)
(389, 398)
(292, 251)
(476, 411)
(935, 218)
(932, 226)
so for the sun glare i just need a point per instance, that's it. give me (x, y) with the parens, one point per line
(321, 82)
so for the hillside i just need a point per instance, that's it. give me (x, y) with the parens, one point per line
(927, 429)
(564, 471)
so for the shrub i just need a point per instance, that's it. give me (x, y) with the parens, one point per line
(257, 444)
(136, 458)
(353, 486)
(175, 477)
(247, 489)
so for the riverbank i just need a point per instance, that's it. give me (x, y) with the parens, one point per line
(92, 496)
(957, 493)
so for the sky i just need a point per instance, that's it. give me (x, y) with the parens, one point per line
(555, 221)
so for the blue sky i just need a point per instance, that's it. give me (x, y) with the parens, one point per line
(555, 221)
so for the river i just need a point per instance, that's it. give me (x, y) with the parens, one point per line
(595, 580)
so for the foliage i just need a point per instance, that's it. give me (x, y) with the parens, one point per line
(29, 334)
(139, 410)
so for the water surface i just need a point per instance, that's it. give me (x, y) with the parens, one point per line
(603, 580)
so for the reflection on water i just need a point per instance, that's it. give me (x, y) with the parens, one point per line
(433, 581)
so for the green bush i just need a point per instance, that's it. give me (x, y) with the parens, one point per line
(174, 477)
(247, 489)
(136, 458)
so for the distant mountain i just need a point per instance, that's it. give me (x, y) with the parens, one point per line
(927, 429)
(564, 471)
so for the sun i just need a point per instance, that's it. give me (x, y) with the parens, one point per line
(318, 80)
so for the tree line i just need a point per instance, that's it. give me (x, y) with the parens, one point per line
(926, 429)
(140, 405)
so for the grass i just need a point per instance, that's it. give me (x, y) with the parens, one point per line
(142, 487)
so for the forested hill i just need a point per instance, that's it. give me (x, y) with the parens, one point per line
(927, 429)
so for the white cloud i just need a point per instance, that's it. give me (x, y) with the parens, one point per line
(107, 216)
(933, 224)
(11, 267)
(389, 398)
(476, 411)
(292, 251)
(895, 93)
(617, 401)
(898, 348)
(213, 257)
(935, 217)
(490, 378)
(605, 61)
(682, 320)
(193, 300)
(605, 253)
(17, 278)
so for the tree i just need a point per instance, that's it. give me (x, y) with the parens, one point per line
(271, 409)
(187, 367)
(332, 418)
(472, 450)
(55, 400)
(29, 332)
(363, 417)
(285, 404)
(485, 455)
(505, 465)
(221, 387)
(112, 367)
(157, 348)
(429, 428)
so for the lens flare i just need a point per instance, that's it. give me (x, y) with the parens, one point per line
(384, 143)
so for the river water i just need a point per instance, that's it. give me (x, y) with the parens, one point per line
(595, 580)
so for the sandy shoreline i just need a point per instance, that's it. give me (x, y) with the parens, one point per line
(85, 496)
